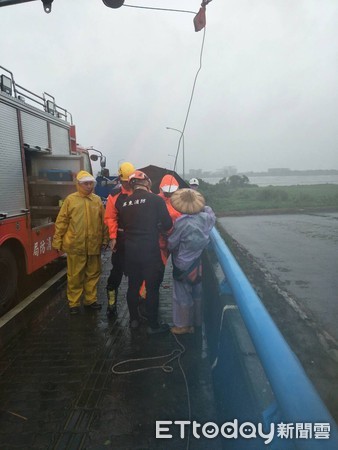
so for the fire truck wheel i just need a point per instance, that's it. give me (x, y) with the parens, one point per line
(8, 277)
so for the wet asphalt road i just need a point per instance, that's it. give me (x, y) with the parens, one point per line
(58, 390)
(301, 250)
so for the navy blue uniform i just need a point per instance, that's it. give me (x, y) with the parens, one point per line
(143, 215)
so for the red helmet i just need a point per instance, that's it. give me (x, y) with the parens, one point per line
(139, 177)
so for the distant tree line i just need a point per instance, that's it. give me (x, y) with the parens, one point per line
(235, 181)
(236, 193)
(289, 172)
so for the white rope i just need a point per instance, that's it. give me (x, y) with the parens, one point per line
(175, 354)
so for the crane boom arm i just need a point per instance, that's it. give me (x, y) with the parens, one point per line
(13, 2)
(47, 4)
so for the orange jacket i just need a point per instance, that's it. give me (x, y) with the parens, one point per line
(168, 184)
(111, 215)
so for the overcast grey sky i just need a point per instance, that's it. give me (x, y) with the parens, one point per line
(266, 96)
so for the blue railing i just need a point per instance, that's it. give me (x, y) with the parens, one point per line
(297, 399)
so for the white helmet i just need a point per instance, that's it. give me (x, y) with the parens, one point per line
(194, 181)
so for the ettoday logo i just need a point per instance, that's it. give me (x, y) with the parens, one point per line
(210, 430)
(245, 430)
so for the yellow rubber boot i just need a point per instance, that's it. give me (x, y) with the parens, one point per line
(111, 309)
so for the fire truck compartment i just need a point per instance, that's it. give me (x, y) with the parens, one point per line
(56, 174)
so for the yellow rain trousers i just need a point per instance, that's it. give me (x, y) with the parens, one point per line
(83, 273)
(80, 232)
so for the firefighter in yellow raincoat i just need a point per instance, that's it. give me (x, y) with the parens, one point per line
(80, 232)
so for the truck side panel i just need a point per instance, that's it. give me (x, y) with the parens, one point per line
(36, 245)
(12, 198)
(40, 247)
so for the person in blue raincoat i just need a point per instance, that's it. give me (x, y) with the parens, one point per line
(189, 237)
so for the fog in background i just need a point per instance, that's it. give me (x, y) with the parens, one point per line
(266, 95)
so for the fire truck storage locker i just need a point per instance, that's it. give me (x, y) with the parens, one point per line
(12, 198)
(50, 183)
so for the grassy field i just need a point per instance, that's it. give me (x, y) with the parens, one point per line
(224, 199)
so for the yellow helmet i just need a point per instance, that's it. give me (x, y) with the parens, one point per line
(125, 170)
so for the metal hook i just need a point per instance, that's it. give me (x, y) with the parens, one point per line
(47, 5)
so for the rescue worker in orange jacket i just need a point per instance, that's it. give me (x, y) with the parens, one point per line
(116, 234)
(81, 233)
(168, 186)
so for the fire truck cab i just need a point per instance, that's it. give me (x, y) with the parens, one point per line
(39, 159)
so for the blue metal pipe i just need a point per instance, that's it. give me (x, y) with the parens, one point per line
(297, 398)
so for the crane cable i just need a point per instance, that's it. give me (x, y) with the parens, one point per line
(191, 98)
(203, 5)
(160, 9)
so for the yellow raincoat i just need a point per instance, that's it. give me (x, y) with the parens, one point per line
(79, 227)
(80, 232)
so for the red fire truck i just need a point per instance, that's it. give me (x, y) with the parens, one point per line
(38, 160)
